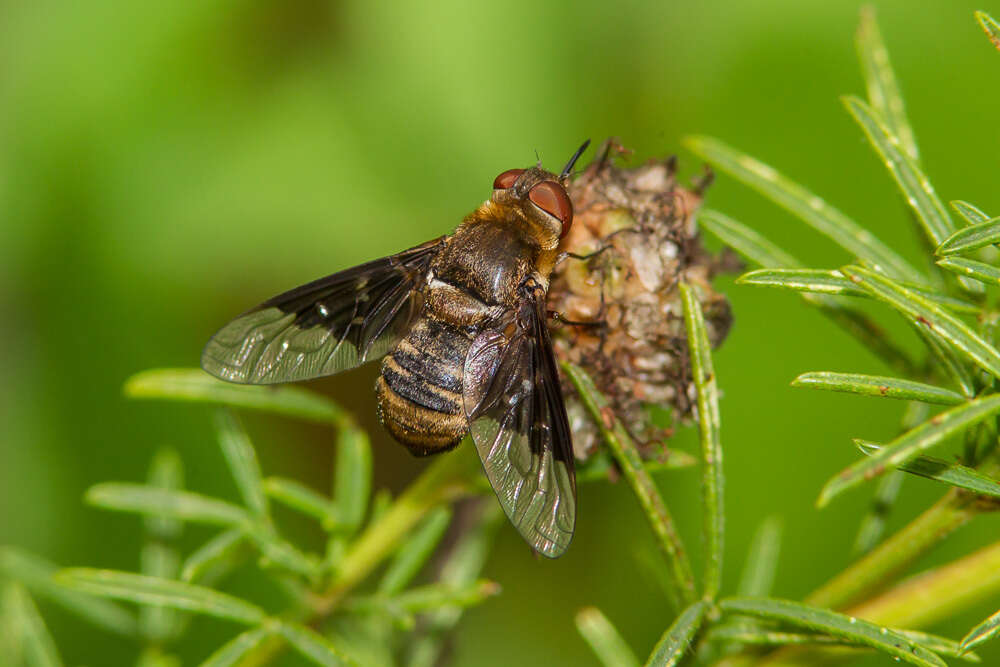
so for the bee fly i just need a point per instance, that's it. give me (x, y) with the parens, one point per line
(461, 324)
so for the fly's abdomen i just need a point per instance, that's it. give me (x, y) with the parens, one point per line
(420, 389)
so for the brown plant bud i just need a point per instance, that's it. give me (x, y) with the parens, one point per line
(635, 230)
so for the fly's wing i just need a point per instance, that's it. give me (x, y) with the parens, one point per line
(518, 422)
(327, 326)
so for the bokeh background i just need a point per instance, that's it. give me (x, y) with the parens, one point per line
(166, 164)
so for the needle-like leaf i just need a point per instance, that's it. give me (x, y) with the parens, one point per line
(676, 641)
(744, 240)
(413, 554)
(242, 460)
(877, 385)
(300, 497)
(195, 385)
(240, 648)
(149, 500)
(27, 630)
(990, 27)
(807, 206)
(712, 480)
(353, 478)
(599, 465)
(912, 182)
(883, 91)
(982, 633)
(952, 474)
(855, 630)
(911, 444)
(625, 453)
(313, 646)
(971, 238)
(981, 271)
(761, 563)
(819, 281)
(153, 590)
(604, 639)
(873, 523)
(36, 574)
(929, 315)
(214, 558)
(972, 214)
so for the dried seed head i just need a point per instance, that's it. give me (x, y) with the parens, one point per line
(636, 229)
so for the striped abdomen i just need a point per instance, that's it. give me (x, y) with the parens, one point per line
(420, 389)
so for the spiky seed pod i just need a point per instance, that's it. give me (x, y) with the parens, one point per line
(636, 229)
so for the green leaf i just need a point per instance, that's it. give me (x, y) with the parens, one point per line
(242, 460)
(279, 552)
(461, 566)
(676, 641)
(972, 214)
(802, 280)
(353, 478)
(883, 92)
(759, 250)
(911, 444)
(818, 281)
(153, 590)
(20, 619)
(649, 498)
(982, 633)
(712, 481)
(218, 555)
(165, 472)
(990, 27)
(300, 497)
(805, 205)
(604, 639)
(940, 645)
(947, 358)
(149, 500)
(241, 647)
(855, 630)
(971, 238)
(929, 315)
(745, 240)
(159, 624)
(438, 595)
(753, 634)
(313, 646)
(197, 386)
(36, 573)
(981, 271)
(877, 385)
(415, 551)
(159, 557)
(761, 564)
(912, 182)
(952, 474)
(766, 637)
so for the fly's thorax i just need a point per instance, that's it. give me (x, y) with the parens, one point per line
(485, 259)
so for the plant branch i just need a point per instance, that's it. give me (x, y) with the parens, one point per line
(627, 457)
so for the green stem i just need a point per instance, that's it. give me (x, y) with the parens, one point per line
(447, 479)
(627, 456)
(876, 568)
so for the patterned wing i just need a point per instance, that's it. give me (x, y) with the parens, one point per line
(327, 326)
(518, 422)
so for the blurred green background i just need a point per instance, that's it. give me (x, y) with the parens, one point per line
(164, 165)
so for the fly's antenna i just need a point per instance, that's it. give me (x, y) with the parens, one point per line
(576, 156)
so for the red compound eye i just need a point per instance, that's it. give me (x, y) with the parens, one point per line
(552, 198)
(506, 179)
